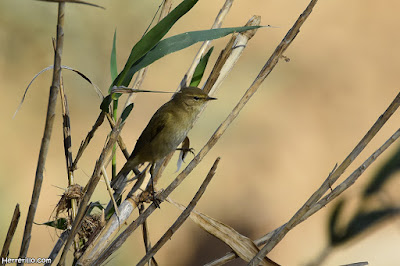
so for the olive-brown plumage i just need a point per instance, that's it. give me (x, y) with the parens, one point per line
(165, 131)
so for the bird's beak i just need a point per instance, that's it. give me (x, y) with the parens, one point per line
(210, 98)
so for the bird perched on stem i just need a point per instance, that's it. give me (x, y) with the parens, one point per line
(166, 130)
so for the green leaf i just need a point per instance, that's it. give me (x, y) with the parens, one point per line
(112, 210)
(60, 223)
(200, 68)
(113, 59)
(106, 103)
(93, 205)
(179, 42)
(151, 38)
(126, 112)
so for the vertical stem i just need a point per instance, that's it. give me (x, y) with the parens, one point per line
(55, 86)
(11, 232)
(68, 147)
(114, 150)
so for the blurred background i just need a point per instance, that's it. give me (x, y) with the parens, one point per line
(307, 116)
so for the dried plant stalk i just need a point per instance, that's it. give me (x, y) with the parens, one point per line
(11, 232)
(44, 147)
(235, 52)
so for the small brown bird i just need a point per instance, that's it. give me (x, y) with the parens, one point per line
(166, 130)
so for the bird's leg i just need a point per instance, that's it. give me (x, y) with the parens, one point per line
(156, 200)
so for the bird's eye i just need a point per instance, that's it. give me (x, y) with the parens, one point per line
(196, 98)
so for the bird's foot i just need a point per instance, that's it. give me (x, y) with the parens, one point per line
(151, 197)
(186, 150)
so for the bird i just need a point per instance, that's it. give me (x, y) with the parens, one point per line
(167, 128)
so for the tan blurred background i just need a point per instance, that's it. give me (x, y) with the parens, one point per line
(306, 117)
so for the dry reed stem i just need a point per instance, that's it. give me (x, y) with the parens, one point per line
(55, 86)
(67, 147)
(10, 232)
(184, 215)
(239, 45)
(66, 130)
(290, 36)
(89, 136)
(223, 56)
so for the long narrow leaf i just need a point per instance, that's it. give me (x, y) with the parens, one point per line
(151, 39)
(201, 67)
(113, 59)
(179, 42)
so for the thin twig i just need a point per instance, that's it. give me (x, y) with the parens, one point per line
(184, 215)
(55, 86)
(89, 136)
(109, 189)
(11, 232)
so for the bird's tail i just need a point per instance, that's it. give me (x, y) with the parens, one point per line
(118, 183)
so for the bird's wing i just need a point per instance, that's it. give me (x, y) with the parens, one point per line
(152, 130)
